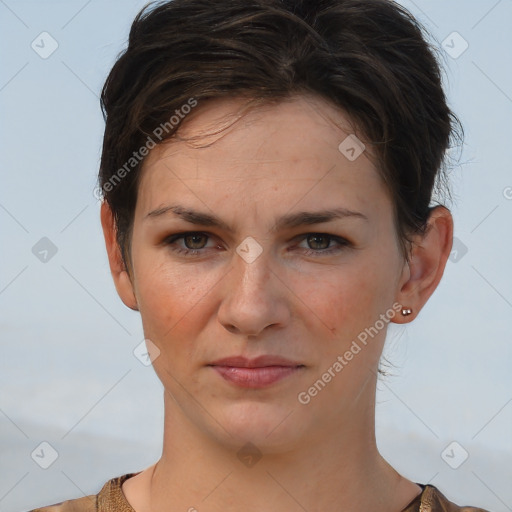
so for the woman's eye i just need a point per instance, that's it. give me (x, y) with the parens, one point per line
(320, 243)
(193, 241)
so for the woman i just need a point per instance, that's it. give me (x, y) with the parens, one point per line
(267, 172)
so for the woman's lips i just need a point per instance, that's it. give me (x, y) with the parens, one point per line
(256, 377)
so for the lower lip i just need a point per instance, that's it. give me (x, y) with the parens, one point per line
(255, 377)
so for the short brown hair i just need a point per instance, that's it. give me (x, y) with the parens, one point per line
(370, 58)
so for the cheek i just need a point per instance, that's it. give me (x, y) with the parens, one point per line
(165, 293)
(175, 301)
(344, 300)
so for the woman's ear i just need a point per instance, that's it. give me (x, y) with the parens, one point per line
(429, 254)
(118, 269)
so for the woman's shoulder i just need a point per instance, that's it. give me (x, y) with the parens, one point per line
(432, 499)
(110, 498)
(84, 504)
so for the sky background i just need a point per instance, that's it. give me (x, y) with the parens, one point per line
(68, 375)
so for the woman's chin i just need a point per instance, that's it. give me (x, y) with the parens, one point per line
(269, 427)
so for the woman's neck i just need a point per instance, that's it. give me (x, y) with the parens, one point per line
(342, 472)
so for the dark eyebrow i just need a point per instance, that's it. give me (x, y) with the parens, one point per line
(291, 220)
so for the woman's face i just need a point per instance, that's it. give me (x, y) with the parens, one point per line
(266, 278)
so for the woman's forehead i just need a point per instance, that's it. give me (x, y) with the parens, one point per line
(293, 140)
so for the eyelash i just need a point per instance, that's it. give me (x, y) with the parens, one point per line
(309, 252)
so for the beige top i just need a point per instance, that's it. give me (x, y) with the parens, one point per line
(112, 499)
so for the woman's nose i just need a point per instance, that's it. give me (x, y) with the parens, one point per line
(253, 297)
